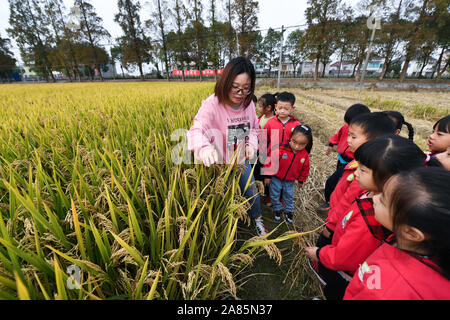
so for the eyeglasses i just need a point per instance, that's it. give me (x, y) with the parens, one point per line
(237, 90)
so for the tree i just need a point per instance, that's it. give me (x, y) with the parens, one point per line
(271, 48)
(293, 47)
(229, 32)
(117, 55)
(321, 17)
(30, 31)
(158, 22)
(177, 41)
(417, 33)
(441, 22)
(246, 21)
(7, 60)
(195, 32)
(135, 45)
(92, 30)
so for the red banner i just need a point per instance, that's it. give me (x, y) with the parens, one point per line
(196, 73)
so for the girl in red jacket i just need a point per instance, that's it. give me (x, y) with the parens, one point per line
(362, 128)
(293, 165)
(439, 140)
(416, 266)
(345, 156)
(358, 234)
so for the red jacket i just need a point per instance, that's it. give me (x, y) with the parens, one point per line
(393, 274)
(340, 139)
(355, 238)
(284, 130)
(343, 195)
(291, 166)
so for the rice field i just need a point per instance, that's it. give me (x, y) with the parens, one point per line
(92, 205)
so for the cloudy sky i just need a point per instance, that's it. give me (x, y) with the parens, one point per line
(272, 13)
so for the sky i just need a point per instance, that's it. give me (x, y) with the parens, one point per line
(272, 14)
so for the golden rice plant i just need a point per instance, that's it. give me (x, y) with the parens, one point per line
(87, 182)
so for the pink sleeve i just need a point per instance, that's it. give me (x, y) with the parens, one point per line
(254, 129)
(197, 135)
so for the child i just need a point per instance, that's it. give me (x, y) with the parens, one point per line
(362, 128)
(227, 122)
(266, 105)
(439, 140)
(416, 266)
(283, 123)
(399, 121)
(357, 235)
(293, 166)
(345, 156)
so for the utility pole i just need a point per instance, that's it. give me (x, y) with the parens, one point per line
(281, 56)
(373, 23)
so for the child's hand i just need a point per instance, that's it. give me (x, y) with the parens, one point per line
(330, 148)
(326, 233)
(311, 253)
(267, 182)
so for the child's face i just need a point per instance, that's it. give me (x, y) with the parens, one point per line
(298, 142)
(284, 109)
(382, 207)
(444, 158)
(364, 176)
(264, 110)
(439, 141)
(356, 137)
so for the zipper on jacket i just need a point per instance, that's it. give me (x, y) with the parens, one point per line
(295, 154)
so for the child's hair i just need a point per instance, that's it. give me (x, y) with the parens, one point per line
(390, 154)
(355, 110)
(443, 125)
(307, 132)
(285, 97)
(268, 99)
(255, 99)
(375, 124)
(420, 199)
(399, 121)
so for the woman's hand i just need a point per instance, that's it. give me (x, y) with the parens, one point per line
(209, 156)
(311, 253)
(249, 152)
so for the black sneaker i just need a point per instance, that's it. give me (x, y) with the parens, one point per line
(277, 216)
(324, 208)
(288, 217)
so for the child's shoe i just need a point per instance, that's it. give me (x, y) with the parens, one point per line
(259, 226)
(324, 208)
(268, 202)
(288, 217)
(277, 216)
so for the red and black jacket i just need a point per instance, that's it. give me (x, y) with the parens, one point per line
(284, 129)
(340, 139)
(355, 238)
(291, 165)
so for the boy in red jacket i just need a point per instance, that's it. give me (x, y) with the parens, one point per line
(417, 265)
(345, 155)
(293, 165)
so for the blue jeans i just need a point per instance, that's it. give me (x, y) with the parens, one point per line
(255, 202)
(275, 188)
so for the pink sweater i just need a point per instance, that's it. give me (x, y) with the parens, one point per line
(221, 126)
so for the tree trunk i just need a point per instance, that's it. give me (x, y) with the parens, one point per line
(316, 70)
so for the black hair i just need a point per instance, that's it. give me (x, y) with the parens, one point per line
(443, 125)
(399, 121)
(285, 97)
(426, 207)
(307, 132)
(355, 110)
(255, 99)
(375, 124)
(268, 99)
(390, 154)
